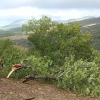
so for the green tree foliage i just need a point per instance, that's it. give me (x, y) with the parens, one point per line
(58, 40)
(80, 76)
(24, 28)
(10, 55)
(40, 65)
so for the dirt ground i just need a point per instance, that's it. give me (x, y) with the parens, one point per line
(12, 89)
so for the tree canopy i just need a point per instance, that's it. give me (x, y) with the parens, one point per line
(59, 40)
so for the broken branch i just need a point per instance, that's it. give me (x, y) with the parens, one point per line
(33, 76)
(18, 67)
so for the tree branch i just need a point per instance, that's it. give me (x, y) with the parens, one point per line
(33, 76)
(84, 67)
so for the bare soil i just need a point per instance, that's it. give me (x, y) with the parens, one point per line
(16, 37)
(12, 89)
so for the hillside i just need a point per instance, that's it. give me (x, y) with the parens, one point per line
(93, 26)
(15, 24)
(12, 29)
(19, 40)
(90, 21)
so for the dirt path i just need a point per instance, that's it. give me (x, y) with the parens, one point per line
(11, 89)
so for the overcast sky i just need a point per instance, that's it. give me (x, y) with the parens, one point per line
(11, 10)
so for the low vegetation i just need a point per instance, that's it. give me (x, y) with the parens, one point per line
(61, 51)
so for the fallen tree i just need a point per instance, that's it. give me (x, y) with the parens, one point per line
(51, 77)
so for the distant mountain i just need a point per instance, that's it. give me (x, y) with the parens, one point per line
(77, 19)
(20, 22)
(87, 22)
(17, 23)
(60, 21)
(80, 19)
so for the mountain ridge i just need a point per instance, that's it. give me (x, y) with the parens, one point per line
(20, 22)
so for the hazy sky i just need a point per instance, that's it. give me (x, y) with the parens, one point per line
(11, 10)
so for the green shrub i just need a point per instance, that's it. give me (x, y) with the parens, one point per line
(10, 55)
